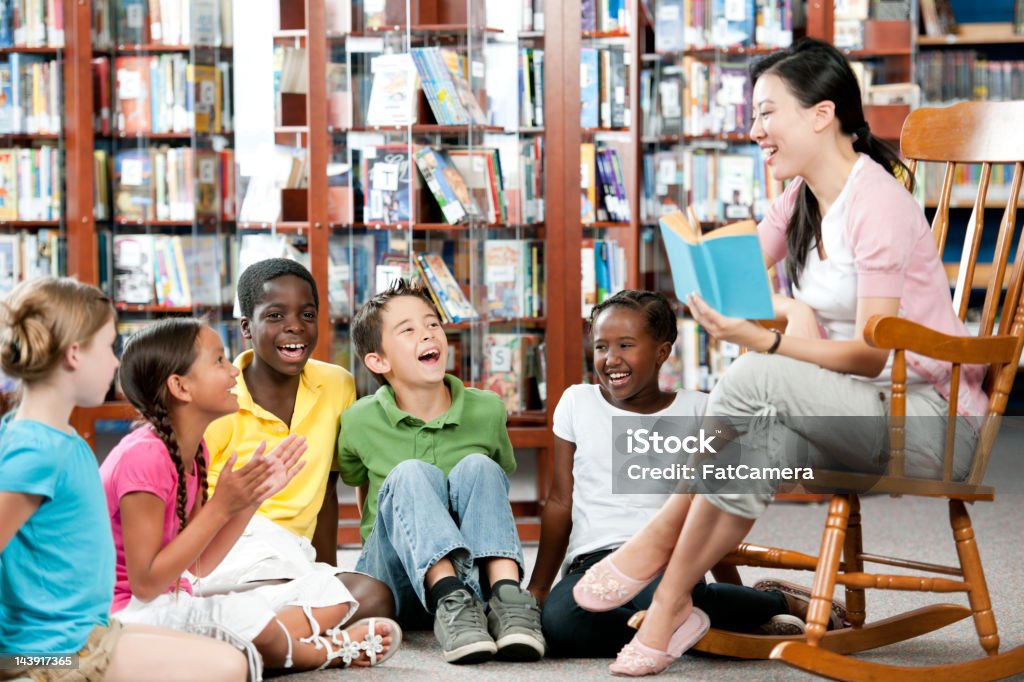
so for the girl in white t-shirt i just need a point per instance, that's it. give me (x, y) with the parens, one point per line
(585, 518)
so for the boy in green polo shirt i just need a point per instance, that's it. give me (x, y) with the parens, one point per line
(431, 459)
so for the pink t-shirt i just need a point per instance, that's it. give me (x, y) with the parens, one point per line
(894, 257)
(141, 463)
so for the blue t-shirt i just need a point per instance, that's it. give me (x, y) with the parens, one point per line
(57, 572)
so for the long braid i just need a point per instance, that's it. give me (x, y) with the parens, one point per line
(160, 420)
(201, 470)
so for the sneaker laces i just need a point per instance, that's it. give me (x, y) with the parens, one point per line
(463, 609)
(519, 612)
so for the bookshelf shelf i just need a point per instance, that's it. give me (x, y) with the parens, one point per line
(156, 308)
(52, 51)
(287, 227)
(531, 35)
(601, 131)
(879, 52)
(605, 224)
(291, 34)
(974, 34)
(484, 321)
(454, 30)
(28, 224)
(160, 137)
(198, 221)
(29, 137)
(599, 35)
(426, 129)
(158, 48)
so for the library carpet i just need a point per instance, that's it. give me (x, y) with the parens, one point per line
(889, 526)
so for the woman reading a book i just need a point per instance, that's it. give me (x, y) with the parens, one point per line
(856, 244)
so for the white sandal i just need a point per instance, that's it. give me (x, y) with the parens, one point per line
(372, 643)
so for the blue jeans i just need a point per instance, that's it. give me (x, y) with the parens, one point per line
(421, 519)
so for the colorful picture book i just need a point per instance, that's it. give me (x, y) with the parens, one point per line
(452, 303)
(393, 93)
(510, 369)
(726, 267)
(387, 190)
(446, 184)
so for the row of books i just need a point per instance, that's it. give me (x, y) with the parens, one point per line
(468, 182)
(230, 333)
(950, 75)
(604, 96)
(602, 271)
(966, 179)
(162, 22)
(514, 278)
(851, 16)
(443, 77)
(697, 98)
(721, 186)
(28, 254)
(514, 368)
(164, 94)
(531, 87)
(291, 70)
(449, 299)
(603, 187)
(173, 183)
(30, 94)
(697, 360)
(166, 270)
(689, 24)
(606, 16)
(31, 183)
(31, 23)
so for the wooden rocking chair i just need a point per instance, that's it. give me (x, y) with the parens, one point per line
(969, 133)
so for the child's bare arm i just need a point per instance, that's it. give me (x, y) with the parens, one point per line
(284, 462)
(15, 510)
(555, 521)
(153, 568)
(325, 537)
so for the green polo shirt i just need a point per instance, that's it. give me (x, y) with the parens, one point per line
(376, 436)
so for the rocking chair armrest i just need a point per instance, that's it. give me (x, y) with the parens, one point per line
(896, 333)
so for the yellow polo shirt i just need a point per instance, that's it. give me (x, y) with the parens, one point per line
(325, 391)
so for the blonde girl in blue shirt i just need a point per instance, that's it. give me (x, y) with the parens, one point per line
(56, 338)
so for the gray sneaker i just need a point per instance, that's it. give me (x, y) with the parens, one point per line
(461, 627)
(513, 618)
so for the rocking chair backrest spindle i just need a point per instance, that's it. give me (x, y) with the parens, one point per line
(982, 134)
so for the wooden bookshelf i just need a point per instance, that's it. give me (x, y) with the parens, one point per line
(975, 34)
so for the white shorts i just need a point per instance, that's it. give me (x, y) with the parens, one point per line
(245, 614)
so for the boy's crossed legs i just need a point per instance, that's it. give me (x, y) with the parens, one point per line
(435, 541)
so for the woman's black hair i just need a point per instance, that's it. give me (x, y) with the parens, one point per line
(815, 71)
(661, 320)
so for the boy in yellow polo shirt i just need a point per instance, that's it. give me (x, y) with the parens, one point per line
(282, 390)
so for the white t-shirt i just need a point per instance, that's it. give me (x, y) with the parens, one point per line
(601, 519)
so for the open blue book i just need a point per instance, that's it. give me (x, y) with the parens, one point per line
(725, 267)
